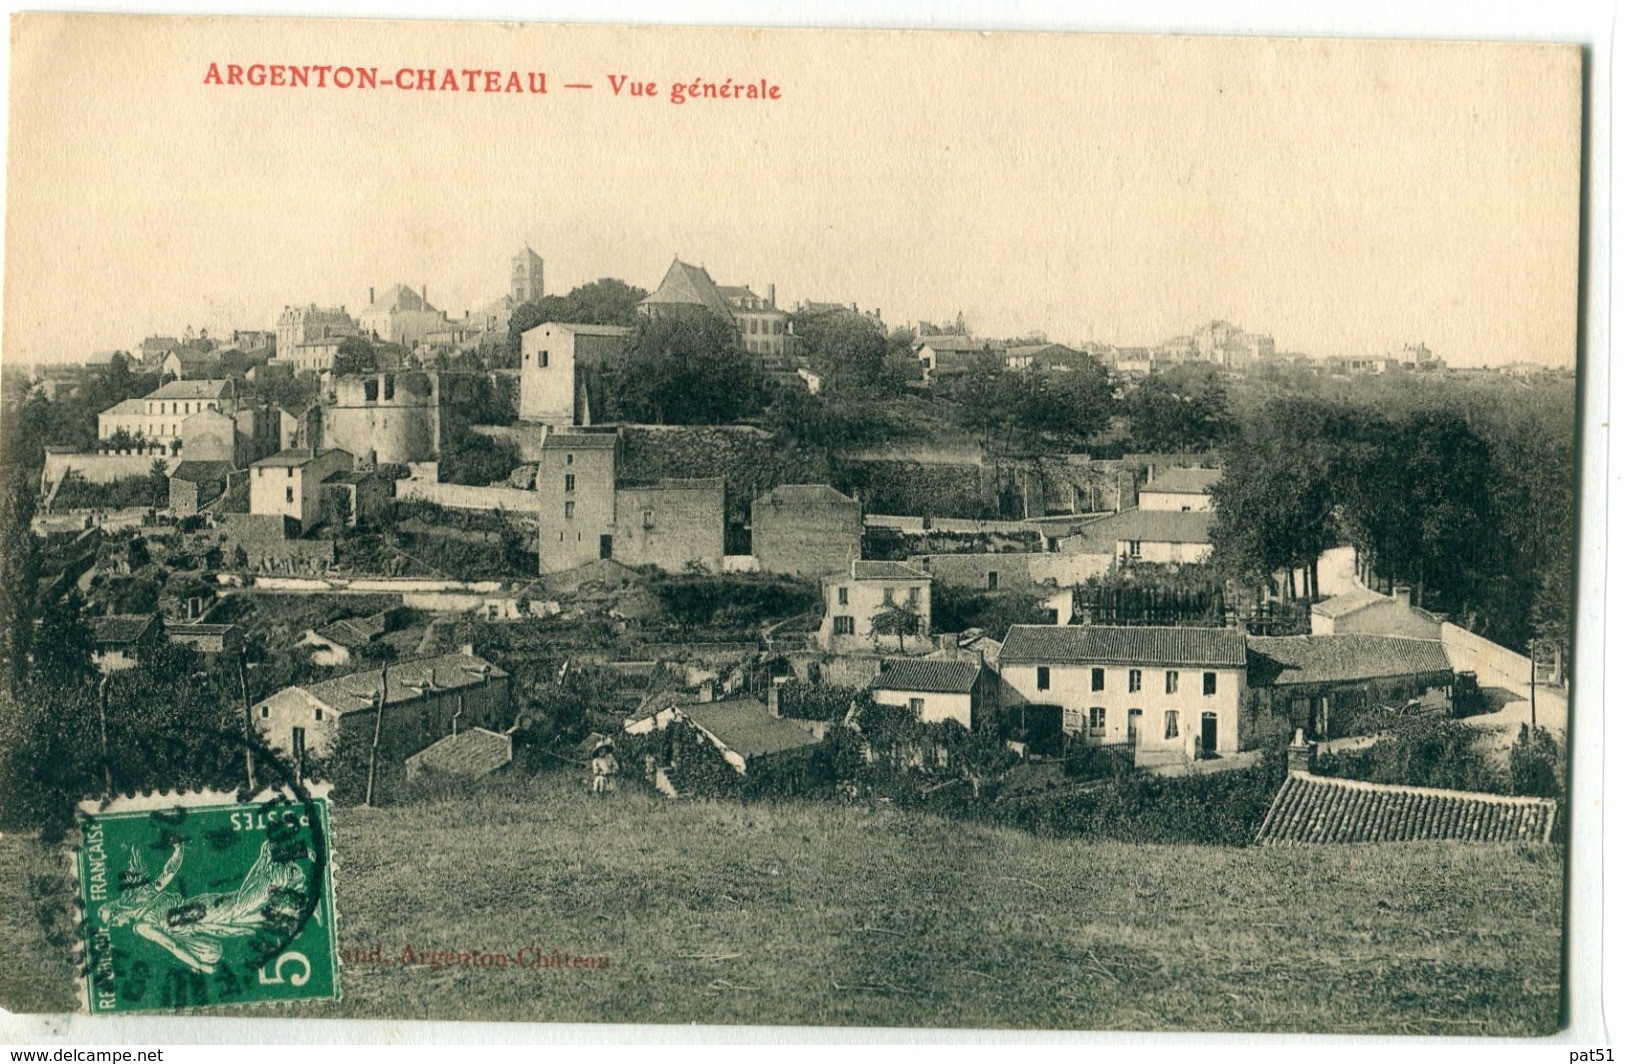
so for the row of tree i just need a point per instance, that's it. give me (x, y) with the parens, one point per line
(1469, 505)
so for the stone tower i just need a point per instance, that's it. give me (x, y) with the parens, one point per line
(525, 282)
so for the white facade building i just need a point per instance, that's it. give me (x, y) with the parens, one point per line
(1167, 691)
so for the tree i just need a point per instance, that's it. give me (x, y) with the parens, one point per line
(685, 370)
(354, 355)
(1185, 409)
(606, 301)
(846, 349)
(1276, 504)
(895, 619)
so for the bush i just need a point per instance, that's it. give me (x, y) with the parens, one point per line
(1216, 809)
(738, 601)
(1423, 752)
(1538, 764)
(805, 701)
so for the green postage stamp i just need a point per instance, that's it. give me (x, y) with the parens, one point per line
(200, 900)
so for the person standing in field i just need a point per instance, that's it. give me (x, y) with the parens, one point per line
(604, 768)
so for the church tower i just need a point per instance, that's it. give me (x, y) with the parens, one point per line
(526, 282)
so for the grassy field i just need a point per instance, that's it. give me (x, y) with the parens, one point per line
(819, 914)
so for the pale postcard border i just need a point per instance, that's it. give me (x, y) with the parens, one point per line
(1592, 984)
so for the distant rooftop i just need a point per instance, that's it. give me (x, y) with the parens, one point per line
(1184, 481)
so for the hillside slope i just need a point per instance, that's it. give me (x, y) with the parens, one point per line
(818, 914)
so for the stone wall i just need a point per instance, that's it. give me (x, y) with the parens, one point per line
(105, 468)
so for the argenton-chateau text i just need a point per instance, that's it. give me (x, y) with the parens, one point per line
(476, 80)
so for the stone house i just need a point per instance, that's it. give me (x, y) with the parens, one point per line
(935, 690)
(423, 700)
(868, 590)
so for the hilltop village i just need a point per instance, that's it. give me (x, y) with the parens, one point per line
(765, 549)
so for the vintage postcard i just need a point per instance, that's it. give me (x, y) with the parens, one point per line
(765, 527)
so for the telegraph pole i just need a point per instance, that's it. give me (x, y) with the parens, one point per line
(248, 716)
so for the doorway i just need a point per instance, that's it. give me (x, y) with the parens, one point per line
(1210, 733)
(606, 546)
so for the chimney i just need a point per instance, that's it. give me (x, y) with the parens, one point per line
(708, 691)
(425, 293)
(772, 295)
(372, 296)
(1300, 756)
(1402, 592)
(774, 693)
(466, 648)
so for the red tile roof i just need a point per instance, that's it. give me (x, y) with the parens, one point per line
(927, 676)
(1042, 644)
(1322, 809)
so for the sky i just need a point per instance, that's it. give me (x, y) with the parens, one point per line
(1345, 197)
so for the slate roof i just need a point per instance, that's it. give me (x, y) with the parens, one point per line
(155, 344)
(1322, 809)
(294, 457)
(686, 284)
(1145, 526)
(872, 570)
(580, 441)
(193, 389)
(1184, 481)
(804, 495)
(927, 676)
(353, 631)
(408, 681)
(1349, 602)
(196, 472)
(472, 752)
(1281, 661)
(1043, 644)
(589, 330)
(745, 726)
(120, 629)
(958, 344)
(127, 408)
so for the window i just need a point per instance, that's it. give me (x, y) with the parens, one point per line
(1133, 680)
(886, 595)
(569, 482)
(1210, 683)
(289, 493)
(318, 712)
(1097, 679)
(1043, 677)
(389, 388)
(1170, 724)
(916, 706)
(569, 510)
(840, 596)
(913, 596)
(1134, 716)
(265, 711)
(1133, 548)
(541, 359)
(1097, 722)
(1170, 682)
(648, 519)
(369, 390)
(569, 459)
(843, 626)
(992, 580)
(1072, 720)
(290, 472)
